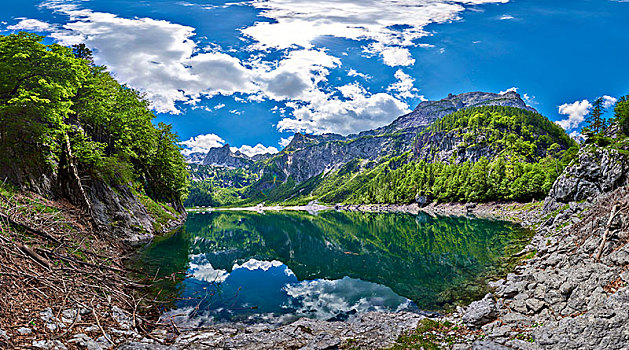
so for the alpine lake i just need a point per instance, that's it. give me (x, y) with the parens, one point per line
(275, 267)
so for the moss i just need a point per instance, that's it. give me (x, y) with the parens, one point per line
(428, 335)
(158, 212)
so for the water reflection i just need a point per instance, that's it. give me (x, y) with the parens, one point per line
(254, 267)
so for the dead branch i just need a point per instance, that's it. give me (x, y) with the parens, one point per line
(612, 215)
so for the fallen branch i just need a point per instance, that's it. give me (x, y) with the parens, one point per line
(29, 229)
(612, 215)
(31, 253)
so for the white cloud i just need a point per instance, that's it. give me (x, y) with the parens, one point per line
(202, 269)
(163, 62)
(529, 99)
(285, 141)
(329, 298)
(608, 101)
(512, 89)
(389, 24)
(202, 143)
(506, 17)
(576, 112)
(253, 264)
(392, 56)
(255, 150)
(354, 73)
(358, 111)
(171, 68)
(404, 86)
(31, 24)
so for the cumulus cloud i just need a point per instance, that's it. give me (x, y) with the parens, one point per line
(31, 24)
(255, 150)
(201, 143)
(576, 112)
(391, 55)
(512, 89)
(172, 68)
(164, 61)
(391, 25)
(354, 73)
(404, 87)
(285, 141)
(358, 110)
(609, 101)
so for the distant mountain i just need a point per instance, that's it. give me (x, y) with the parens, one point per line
(309, 155)
(195, 158)
(457, 129)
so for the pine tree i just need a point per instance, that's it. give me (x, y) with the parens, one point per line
(595, 121)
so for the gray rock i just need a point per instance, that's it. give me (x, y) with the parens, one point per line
(49, 344)
(24, 330)
(4, 335)
(488, 345)
(535, 305)
(481, 312)
(84, 341)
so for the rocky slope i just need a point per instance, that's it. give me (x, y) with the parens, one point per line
(573, 293)
(224, 157)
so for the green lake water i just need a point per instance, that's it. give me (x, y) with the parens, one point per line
(275, 267)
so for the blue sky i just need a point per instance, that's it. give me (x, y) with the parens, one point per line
(251, 73)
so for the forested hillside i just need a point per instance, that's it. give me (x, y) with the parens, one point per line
(474, 154)
(66, 125)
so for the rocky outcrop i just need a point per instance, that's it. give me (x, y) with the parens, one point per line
(481, 312)
(565, 297)
(224, 157)
(118, 210)
(596, 170)
(429, 111)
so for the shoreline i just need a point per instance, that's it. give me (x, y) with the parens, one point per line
(518, 212)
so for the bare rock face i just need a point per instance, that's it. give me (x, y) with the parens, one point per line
(118, 209)
(481, 312)
(224, 157)
(597, 170)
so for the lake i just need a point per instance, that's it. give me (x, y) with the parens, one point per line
(278, 266)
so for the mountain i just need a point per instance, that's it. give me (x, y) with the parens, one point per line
(224, 157)
(456, 130)
(309, 155)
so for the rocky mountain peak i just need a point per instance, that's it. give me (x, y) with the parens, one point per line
(429, 111)
(223, 156)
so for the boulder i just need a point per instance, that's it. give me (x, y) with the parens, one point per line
(481, 312)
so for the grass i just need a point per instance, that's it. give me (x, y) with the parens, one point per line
(161, 213)
(428, 335)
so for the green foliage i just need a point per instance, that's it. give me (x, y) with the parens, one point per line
(428, 335)
(500, 179)
(162, 213)
(217, 186)
(517, 132)
(50, 94)
(621, 114)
